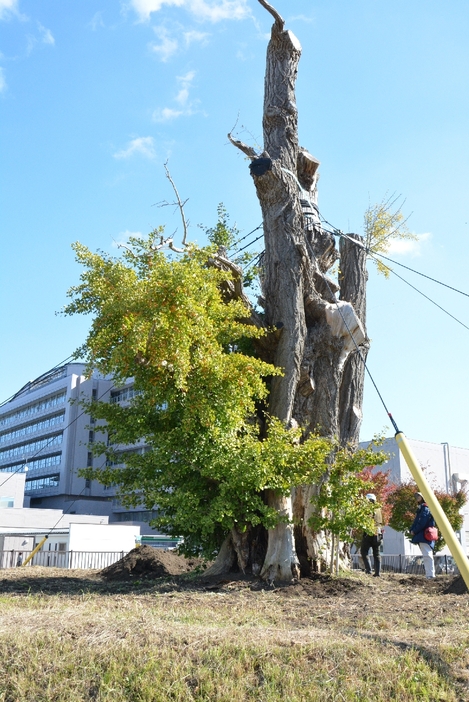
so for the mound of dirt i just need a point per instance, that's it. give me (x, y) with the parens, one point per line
(457, 587)
(148, 562)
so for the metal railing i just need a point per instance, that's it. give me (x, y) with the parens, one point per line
(96, 560)
(85, 560)
(398, 563)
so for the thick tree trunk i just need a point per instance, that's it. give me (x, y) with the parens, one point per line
(321, 343)
(281, 563)
(245, 551)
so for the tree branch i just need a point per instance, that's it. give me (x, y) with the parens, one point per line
(180, 204)
(248, 150)
(273, 12)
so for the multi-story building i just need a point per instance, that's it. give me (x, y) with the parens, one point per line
(45, 434)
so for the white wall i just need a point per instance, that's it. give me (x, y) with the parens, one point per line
(37, 520)
(103, 537)
(12, 485)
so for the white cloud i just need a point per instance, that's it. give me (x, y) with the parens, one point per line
(166, 114)
(183, 93)
(193, 35)
(30, 44)
(182, 96)
(167, 46)
(3, 83)
(8, 7)
(96, 21)
(144, 8)
(145, 146)
(217, 11)
(301, 18)
(407, 247)
(213, 11)
(47, 37)
(185, 107)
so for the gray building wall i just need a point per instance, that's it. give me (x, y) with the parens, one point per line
(44, 436)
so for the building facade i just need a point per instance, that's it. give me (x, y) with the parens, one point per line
(45, 436)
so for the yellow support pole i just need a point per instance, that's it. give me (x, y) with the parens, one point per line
(435, 508)
(38, 548)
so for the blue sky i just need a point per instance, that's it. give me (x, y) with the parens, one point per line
(96, 96)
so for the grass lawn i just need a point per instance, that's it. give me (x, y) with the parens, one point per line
(71, 635)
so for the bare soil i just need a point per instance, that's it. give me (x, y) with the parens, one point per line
(149, 562)
(157, 570)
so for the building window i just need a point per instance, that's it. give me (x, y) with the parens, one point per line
(120, 456)
(34, 408)
(7, 502)
(32, 428)
(36, 464)
(31, 447)
(50, 481)
(124, 394)
(89, 460)
(140, 516)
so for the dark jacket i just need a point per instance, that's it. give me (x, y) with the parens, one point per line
(423, 519)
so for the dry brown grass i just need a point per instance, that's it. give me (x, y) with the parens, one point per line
(69, 635)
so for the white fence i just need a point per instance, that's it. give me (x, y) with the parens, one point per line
(61, 559)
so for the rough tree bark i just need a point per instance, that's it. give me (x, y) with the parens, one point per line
(322, 386)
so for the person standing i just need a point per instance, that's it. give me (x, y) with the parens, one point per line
(373, 541)
(423, 519)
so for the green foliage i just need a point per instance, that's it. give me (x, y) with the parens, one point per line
(165, 324)
(384, 223)
(223, 234)
(404, 507)
(340, 503)
(226, 236)
(210, 452)
(204, 486)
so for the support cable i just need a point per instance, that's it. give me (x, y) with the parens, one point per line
(423, 294)
(338, 232)
(245, 237)
(254, 261)
(375, 257)
(247, 245)
(423, 275)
